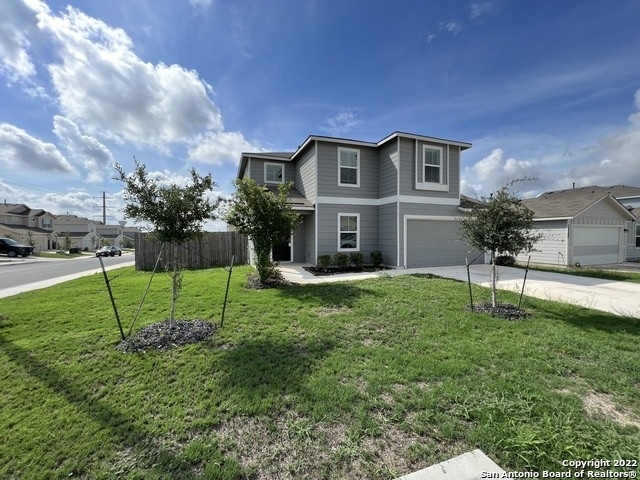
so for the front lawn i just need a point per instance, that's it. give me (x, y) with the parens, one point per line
(370, 379)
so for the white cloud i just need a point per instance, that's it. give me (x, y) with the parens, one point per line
(17, 25)
(610, 160)
(104, 87)
(482, 9)
(341, 123)
(494, 171)
(20, 150)
(216, 148)
(451, 27)
(95, 157)
(200, 3)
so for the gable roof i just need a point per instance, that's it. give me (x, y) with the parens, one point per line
(289, 156)
(565, 205)
(594, 191)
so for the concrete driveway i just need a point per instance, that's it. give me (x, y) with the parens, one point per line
(620, 298)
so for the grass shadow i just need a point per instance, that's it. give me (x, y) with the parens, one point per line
(585, 318)
(259, 369)
(152, 457)
(326, 294)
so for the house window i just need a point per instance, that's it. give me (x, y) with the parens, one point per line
(637, 236)
(46, 223)
(273, 173)
(348, 232)
(348, 167)
(432, 165)
(431, 169)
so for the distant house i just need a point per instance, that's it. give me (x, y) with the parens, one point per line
(400, 195)
(82, 231)
(27, 225)
(587, 226)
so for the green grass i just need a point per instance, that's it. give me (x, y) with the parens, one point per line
(369, 379)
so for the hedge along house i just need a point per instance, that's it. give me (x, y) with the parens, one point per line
(400, 196)
(586, 226)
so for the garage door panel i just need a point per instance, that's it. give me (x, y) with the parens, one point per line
(433, 243)
(596, 245)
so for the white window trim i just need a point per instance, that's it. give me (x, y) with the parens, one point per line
(357, 248)
(275, 165)
(357, 184)
(440, 186)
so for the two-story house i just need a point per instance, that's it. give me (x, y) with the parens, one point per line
(400, 195)
(27, 225)
(82, 231)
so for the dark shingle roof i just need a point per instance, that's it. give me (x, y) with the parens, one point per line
(569, 203)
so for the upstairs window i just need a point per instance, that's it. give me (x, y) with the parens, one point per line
(46, 223)
(348, 232)
(431, 169)
(348, 167)
(432, 165)
(273, 173)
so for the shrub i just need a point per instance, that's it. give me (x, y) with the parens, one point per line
(341, 259)
(506, 260)
(357, 258)
(324, 261)
(376, 258)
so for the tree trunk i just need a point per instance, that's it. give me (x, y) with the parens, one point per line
(493, 279)
(174, 283)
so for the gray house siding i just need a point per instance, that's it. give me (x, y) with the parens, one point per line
(328, 172)
(602, 213)
(309, 224)
(388, 170)
(553, 248)
(256, 170)
(328, 227)
(305, 176)
(408, 169)
(388, 233)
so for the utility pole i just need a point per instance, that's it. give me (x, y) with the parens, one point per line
(104, 207)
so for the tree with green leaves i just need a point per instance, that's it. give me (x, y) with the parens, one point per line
(175, 213)
(266, 217)
(501, 225)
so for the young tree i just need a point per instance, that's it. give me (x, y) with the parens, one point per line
(265, 217)
(176, 213)
(503, 225)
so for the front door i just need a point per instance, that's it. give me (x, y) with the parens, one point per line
(282, 251)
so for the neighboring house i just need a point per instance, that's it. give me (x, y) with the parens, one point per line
(400, 195)
(82, 231)
(586, 226)
(27, 225)
(113, 234)
(129, 236)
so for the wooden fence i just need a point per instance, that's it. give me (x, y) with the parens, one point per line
(213, 249)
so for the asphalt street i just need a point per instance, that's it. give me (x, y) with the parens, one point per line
(24, 274)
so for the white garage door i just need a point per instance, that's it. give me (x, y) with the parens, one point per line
(434, 243)
(596, 245)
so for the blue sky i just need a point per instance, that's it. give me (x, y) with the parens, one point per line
(541, 89)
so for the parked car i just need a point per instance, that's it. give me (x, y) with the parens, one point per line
(110, 251)
(11, 248)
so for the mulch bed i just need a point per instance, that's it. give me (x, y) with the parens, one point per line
(164, 335)
(502, 310)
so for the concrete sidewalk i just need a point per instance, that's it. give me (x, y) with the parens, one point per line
(620, 298)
